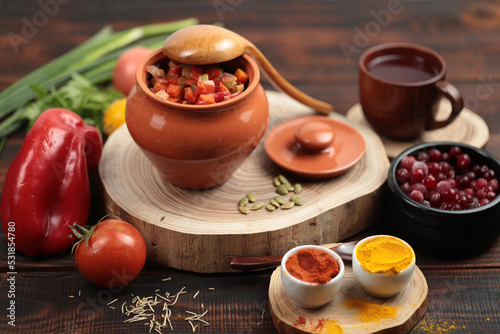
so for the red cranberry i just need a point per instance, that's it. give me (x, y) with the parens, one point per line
(417, 175)
(405, 187)
(441, 177)
(470, 174)
(434, 154)
(422, 156)
(484, 201)
(433, 168)
(445, 167)
(417, 196)
(445, 157)
(462, 182)
(494, 185)
(452, 182)
(463, 161)
(435, 200)
(463, 201)
(442, 186)
(481, 183)
(490, 175)
(449, 195)
(491, 195)
(469, 192)
(481, 193)
(402, 175)
(474, 205)
(421, 165)
(408, 161)
(445, 206)
(430, 182)
(476, 169)
(483, 169)
(420, 187)
(454, 152)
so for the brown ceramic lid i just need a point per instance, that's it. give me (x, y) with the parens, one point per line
(315, 146)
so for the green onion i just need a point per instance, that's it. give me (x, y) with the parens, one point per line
(95, 59)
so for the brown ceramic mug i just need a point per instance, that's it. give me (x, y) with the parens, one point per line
(400, 86)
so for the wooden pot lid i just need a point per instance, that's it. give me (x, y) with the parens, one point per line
(468, 128)
(305, 147)
(339, 316)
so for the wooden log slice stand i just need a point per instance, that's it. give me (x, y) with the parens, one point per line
(410, 305)
(200, 230)
(468, 128)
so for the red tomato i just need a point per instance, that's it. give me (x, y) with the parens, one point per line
(113, 255)
(124, 72)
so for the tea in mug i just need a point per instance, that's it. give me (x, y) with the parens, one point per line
(401, 69)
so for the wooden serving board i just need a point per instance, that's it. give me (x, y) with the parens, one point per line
(410, 304)
(468, 128)
(201, 230)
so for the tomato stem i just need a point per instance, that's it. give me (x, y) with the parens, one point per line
(83, 233)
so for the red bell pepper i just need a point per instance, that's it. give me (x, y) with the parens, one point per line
(47, 186)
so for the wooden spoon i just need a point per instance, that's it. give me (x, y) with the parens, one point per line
(209, 44)
(260, 262)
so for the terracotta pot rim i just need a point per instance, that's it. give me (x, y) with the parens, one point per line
(400, 45)
(157, 55)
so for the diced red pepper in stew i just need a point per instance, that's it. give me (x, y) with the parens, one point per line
(196, 72)
(190, 96)
(214, 73)
(206, 99)
(206, 87)
(241, 76)
(184, 83)
(175, 91)
(160, 86)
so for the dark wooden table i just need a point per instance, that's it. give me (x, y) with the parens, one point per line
(316, 45)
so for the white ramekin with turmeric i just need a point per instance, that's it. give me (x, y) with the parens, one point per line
(383, 264)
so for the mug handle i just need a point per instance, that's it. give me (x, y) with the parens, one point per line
(457, 103)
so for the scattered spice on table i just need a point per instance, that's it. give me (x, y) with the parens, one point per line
(312, 266)
(155, 311)
(439, 326)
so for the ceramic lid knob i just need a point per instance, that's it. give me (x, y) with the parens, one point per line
(314, 135)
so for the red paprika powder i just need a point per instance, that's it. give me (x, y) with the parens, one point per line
(312, 266)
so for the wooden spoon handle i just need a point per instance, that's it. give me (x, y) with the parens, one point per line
(282, 84)
(254, 262)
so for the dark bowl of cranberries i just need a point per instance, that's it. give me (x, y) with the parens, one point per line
(444, 198)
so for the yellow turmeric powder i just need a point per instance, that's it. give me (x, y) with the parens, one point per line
(384, 255)
(370, 311)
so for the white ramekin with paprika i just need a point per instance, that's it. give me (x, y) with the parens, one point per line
(311, 275)
(383, 265)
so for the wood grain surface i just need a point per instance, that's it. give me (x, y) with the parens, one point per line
(304, 40)
(179, 224)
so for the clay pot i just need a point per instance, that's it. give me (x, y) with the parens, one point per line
(197, 146)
